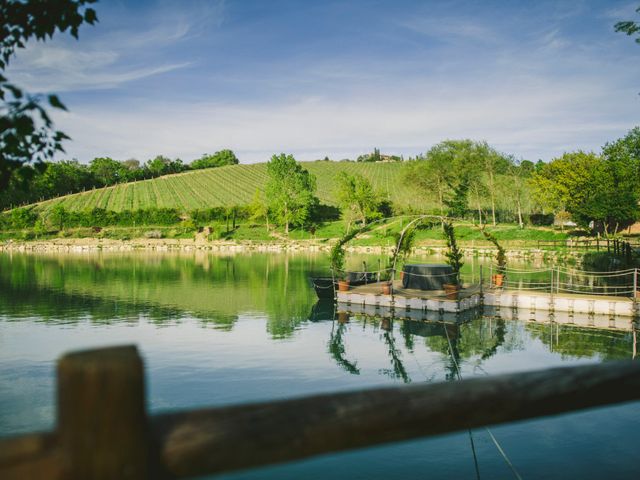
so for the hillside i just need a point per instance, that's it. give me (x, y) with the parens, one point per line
(233, 185)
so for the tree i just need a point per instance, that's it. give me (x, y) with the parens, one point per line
(356, 198)
(258, 209)
(108, 171)
(218, 159)
(162, 165)
(370, 157)
(626, 152)
(516, 186)
(61, 178)
(457, 201)
(431, 175)
(493, 164)
(590, 187)
(290, 191)
(26, 130)
(58, 216)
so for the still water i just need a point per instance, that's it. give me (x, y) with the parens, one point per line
(226, 329)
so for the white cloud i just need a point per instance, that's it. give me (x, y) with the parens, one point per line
(535, 119)
(111, 58)
(450, 28)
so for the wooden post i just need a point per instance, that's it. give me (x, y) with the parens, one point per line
(102, 422)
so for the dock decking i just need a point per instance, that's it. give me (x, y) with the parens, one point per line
(474, 296)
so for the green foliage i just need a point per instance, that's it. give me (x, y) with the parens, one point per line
(26, 130)
(236, 185)
(22, 218)
(218, 159)
(357, 198)
(161, 165)
(453, 254)
(591, 187)
(451, 168)
(290, 191)
(501, 257)
(457, 201)
(58, 217)
(370, 157)
(107, 171)
(629, 27)
(337, 252)
(258, 209)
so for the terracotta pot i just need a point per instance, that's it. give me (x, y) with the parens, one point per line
(402, 275)
(343, 317)
(387, 288)
(343, 285)
(497, 279)
(451, 291)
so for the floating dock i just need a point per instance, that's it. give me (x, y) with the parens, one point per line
(473, 297)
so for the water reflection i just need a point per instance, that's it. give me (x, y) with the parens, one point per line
(218, 289)
(165, 288)
(220, 329)
(476, 336)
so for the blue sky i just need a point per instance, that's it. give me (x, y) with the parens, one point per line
(336, 78)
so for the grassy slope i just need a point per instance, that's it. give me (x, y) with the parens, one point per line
(235, 185)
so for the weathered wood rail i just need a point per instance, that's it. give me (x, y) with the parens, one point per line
(103, 431)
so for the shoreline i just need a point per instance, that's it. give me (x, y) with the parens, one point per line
(94, 245)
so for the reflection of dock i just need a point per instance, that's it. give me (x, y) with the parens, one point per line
(435, 301)
(584, 320)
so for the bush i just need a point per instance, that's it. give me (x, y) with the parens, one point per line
(541, 219)
(23, 218)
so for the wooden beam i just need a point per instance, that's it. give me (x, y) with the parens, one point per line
(223, 439)
(102, 426)
(103, 432)
(31, 457)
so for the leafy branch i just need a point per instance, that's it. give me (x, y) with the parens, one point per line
(453, 254)
(501, 257)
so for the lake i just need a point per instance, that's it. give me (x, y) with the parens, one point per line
(224, 329)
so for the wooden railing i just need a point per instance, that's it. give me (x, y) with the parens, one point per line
(103, 431)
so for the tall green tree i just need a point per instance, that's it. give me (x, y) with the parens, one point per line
(591, 188)
(290, 191)
(218, 159)
(515, 186)
(27, 133)
(356, 198)
(161, 165)
(452, 169)
(625, 152)
(108, 171)
(259, 209)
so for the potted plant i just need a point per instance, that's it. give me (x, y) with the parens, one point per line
(501, 260)
(454, 258)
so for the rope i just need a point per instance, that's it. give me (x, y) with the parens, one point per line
(599, 275)
(628, 270)
(495, 441)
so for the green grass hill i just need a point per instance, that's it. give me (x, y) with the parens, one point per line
(233, 186)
